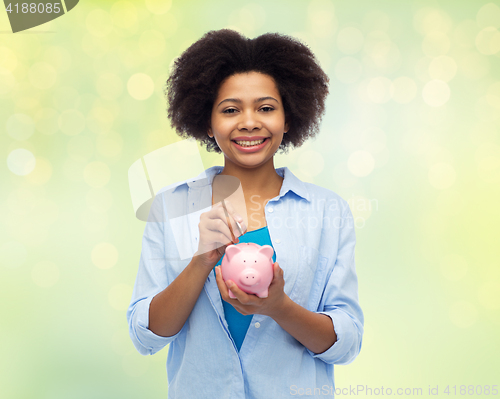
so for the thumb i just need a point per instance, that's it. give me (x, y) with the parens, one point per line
(278, 272)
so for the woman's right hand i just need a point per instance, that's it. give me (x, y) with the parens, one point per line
(215, 235)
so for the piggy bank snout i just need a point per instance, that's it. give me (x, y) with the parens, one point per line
(249, 277)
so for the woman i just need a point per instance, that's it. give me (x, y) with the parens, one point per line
(247, 99)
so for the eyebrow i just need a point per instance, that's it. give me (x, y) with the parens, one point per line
(237, 100)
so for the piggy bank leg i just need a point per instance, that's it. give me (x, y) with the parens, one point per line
(263, 294)
(231, 295)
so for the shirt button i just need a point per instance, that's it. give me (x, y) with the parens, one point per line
(270, 210)
(277, 241)
(257, 325)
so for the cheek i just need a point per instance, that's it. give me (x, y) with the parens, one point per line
(222, 127)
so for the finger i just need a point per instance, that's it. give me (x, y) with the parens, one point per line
(277, 270)
(220, 282)
(218, 231)
(218, 215)
(240, 295)
(224, 290)
(238, 228)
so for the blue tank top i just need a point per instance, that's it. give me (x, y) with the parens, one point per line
(238, 323)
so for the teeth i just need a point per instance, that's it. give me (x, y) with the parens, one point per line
(250, 143)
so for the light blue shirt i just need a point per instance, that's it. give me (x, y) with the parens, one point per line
(312, 231)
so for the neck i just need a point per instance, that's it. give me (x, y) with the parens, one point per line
(261, 179)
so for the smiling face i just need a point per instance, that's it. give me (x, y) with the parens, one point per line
(248, 119)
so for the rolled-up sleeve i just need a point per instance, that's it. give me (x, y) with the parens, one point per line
(340, 299)
(151, 279)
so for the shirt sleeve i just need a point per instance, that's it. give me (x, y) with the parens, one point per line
(340, 299)
(151, 279)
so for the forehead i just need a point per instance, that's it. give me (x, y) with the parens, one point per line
(248, 84)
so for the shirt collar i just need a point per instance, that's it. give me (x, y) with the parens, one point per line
(290, 181)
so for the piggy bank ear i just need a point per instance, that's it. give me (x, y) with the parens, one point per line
(231, 250)
(267, 250)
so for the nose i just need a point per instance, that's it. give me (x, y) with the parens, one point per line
(249, 277)
(249, 121)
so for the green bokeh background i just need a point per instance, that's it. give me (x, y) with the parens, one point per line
(410, 138)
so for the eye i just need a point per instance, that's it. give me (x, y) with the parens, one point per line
(229, 111)
(267, 109)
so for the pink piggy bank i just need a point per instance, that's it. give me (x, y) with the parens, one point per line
(249, 266)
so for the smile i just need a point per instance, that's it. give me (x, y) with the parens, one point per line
(250, 146)
(249, 143)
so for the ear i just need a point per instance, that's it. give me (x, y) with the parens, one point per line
(267, 251)
(287, 127)
(210, 134)
(231, 250)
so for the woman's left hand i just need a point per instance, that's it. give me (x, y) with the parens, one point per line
(248, 304)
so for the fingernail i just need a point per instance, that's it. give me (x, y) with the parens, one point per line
(239, 218)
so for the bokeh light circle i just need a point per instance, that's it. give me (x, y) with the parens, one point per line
(100, 120)
(98, 23)
(96, 174)
(124, 14)
(109, 86)
(21, 161)
(350, 40)
(488, 295)
(66, 98)
(42, 172)
(404, 90)
(140, 86)
(436, 44)
(488, 41)
(152, 43)
(80, 148)
(361, 163)
(443, 68)
(71, 122)
(7, 81)
(465, 33)
(436, 93)
(488, 15)
(380, 90)
(473, 65)
(321, 14)
(158, 6)
(47, 121)
(58, 57)
(42, 75)
(104, 255)
(428, 20)
(8, 59)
